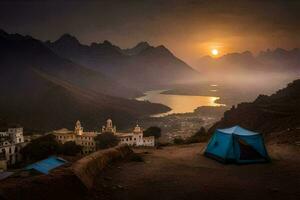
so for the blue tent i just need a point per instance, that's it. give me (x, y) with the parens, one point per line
(46, 165)
(237, 144)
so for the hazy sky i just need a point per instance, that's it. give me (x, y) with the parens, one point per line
(189, 28)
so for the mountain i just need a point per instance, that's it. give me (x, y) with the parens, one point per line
(43, 91)
(136, 49)
(137, 67)
(277, 112)
(278, 60)
(281, 58)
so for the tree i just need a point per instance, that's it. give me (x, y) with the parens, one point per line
(152, 131)
(200, 132)
(200, 136)
(106, 140)
(178, 140)
(70, 149)
(40, 148)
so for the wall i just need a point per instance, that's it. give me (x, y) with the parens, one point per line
(66, 182)
(87, 168)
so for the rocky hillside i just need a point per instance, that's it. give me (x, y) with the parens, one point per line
(277, 112)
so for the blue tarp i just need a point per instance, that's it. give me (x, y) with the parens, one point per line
(46, 165)
(237, 144)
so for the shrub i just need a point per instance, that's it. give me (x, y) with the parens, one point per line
(199, 136)
(70, 149)
(106, 140)
(40, 148)
(178, 141)
(152, 131)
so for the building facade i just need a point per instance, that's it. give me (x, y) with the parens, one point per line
(87, 139)
(11, 142)
(134, 138)
(84, 139)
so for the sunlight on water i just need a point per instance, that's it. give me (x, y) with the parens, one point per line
(178, 103)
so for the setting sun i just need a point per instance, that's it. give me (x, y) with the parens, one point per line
(214, 52)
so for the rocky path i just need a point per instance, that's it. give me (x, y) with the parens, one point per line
(181, 172)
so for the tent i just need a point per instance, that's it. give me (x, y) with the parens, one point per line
(46, 165)
(238, 145)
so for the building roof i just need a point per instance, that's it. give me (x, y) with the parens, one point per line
(46, 165)
(88, 134)
(62, 131)
(124, 134)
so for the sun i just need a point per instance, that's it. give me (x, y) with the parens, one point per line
(214, 52)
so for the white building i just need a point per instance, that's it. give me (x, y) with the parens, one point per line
(84, 139)
(11, 142)
(134, 138)
(87, 139)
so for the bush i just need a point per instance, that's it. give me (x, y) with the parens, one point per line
(178, 141)
(106, 140)
(40, 148)
(152, 131)
(163, 144)
(70, 149)
(199, 136)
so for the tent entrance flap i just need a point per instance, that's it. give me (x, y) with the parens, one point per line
(247, 152)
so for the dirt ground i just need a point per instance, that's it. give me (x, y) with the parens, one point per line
(182, 172)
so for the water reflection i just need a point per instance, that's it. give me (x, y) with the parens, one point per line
(178, 103)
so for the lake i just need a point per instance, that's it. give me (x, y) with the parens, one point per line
(178, 103)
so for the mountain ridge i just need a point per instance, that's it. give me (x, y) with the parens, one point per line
(143, 60)
(277, 60)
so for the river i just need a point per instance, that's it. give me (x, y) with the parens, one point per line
(178, 103)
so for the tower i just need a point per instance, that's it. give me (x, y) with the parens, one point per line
(109, 127)
(138, 135)
(137, 129)
(109, 124)
(16, 134)
(78, 128)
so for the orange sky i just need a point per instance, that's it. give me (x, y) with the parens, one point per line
(189, 28)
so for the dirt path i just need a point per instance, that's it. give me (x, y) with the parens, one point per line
(184, 173)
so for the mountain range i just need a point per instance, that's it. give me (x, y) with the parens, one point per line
(136, 67)
(277, 61)
(42, 90)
